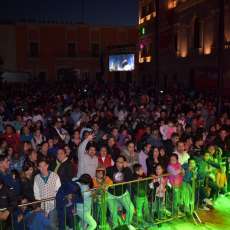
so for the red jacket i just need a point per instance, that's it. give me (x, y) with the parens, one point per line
(107, 161)
(12, 140)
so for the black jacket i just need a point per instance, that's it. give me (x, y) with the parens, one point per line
(65, 171)
(151, 166)
(117, 176)
(8, 198)
(27, 189)
(114, 152)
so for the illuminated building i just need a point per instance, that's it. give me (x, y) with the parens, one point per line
(188, 42)
(51, 50)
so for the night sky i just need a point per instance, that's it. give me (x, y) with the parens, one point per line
(100, 12)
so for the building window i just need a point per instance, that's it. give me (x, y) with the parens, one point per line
(150, 8)
(176, 42)
(71, 49)
(143, 11)
(197, 34)
(95, 50)
(149, 49)
(42, 76)
(146, 50)
(33, 52)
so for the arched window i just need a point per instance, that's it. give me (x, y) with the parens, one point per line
(197, 34)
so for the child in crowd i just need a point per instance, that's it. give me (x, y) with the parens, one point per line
(19, 215)
(188, 187)
(140, 193)
(175, 178)
(101, 180)
(100, 183)
(159, 186)
(221, 180)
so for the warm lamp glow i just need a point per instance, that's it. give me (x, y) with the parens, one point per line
(207, 50)
(141, 20)
(227, 46)
(182, 46)
(184, 53)
(208, 43)
(227, 35)
(148, 17)
(172, 4)
(148, 59)
(141, 60)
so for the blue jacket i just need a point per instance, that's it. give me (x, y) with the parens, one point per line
(11, 182)
(61, 203)
(37, 221)
(19, 225)
(189, 176)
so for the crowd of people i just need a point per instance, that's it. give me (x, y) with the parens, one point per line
(59, 140)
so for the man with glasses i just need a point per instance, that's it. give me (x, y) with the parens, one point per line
(58, 131)
(118, 195)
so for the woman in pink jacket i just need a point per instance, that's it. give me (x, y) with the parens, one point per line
(175, 178)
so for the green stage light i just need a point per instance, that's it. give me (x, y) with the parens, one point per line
(143, 31)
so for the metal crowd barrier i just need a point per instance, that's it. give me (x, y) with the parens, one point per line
(139, 204)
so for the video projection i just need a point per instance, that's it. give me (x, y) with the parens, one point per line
(121, 62)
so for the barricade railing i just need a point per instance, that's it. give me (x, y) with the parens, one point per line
(141, 203)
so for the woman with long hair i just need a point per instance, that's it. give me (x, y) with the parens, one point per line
(152, 161)
(27, 181)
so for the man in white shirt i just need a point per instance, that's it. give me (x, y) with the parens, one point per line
(46, 185)
(87, 159)
(183, 156)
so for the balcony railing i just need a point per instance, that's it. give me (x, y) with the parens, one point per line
(186, 4)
